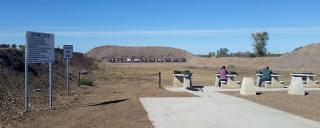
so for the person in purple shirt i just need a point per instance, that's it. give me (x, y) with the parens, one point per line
(223, 75)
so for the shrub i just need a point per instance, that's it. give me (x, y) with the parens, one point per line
(86, 82)
(4, 46)
(252, 55)
(22, 47)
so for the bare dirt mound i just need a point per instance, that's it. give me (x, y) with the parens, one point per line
(305, 59)
(12, 81)
(102, 52)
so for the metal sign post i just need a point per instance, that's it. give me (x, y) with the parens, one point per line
(67, 53)
(50, 87)
(39, 49)
(67, 75)
(26, 88)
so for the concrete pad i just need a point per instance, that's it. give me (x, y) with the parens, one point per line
(219, 111)
(247, 87)
(217, 89)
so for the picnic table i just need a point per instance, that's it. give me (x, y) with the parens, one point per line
(307, 79)
(231, 83)
(274, 83)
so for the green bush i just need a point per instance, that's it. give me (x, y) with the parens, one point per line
(22, 47)
(251, 55)
(86, 82)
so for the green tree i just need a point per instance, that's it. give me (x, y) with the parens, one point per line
(222, 52)
(14, 46)
(260, 40)
(211, 54)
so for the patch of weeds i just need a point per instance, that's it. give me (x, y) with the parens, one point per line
(87, 82)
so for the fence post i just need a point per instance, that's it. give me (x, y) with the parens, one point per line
(79, 80)
(160, 80)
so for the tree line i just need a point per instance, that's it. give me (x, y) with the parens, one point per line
(13, 46)
(260, 42)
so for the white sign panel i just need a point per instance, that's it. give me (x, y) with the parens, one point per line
(67, 51)
(40, 47)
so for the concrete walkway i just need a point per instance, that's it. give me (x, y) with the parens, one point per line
(217, 89)
(217, 110)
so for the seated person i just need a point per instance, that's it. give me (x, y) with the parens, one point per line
(266, 75)
(223, 75)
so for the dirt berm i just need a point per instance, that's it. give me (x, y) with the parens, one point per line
(12, 81)
(102, 52)
(306, 59)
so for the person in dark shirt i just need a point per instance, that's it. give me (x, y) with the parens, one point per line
(266, 75)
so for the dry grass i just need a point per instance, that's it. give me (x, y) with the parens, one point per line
(133, 81)
(98, 107)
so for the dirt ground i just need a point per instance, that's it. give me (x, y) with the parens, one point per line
(305, 106)
(114, 100)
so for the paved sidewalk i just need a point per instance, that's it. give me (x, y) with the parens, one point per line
(217, 110)
(217, 89)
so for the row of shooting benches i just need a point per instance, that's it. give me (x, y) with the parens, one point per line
(184, 79)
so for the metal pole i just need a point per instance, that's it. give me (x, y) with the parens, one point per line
(50, 87)
(26, 95)
(67, 75)
(160, 80)
(79, 79)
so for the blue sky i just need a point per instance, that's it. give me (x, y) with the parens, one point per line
(199, 26)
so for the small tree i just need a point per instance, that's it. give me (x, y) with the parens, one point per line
(211, 54)
(222, 52)
(14, 46)
(260, 40)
